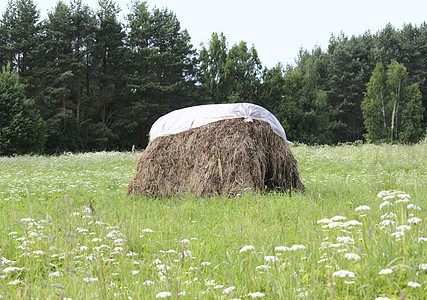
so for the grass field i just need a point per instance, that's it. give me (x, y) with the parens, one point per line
(359, 232)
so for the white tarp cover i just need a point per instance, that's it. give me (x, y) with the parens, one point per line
(191, 117)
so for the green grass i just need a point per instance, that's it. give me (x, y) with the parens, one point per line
(69, 231)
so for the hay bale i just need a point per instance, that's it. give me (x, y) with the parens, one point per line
(224, 157)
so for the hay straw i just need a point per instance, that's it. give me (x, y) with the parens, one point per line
(224, 157)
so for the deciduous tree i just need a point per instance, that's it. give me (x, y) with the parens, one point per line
(392, 108)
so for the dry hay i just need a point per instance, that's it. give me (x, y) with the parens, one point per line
(224, 157)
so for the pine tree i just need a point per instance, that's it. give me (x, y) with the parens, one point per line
(162, 75)
(21, 128)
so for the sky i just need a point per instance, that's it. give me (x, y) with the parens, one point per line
(278, 29)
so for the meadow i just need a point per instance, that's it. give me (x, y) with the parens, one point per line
(359, 231)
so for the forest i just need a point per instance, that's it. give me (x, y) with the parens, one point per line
(82, 80)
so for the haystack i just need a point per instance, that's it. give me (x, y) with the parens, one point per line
(224, 157)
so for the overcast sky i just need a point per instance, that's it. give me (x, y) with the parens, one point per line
(279, 28)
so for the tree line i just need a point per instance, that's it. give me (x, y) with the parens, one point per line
(82, 80)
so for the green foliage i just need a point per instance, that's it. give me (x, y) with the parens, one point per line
(392, 109)
(21, 128)
(100, 84)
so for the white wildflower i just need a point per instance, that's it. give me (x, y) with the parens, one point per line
(414, 220)
(414, 284)
(113, 234)
(398, 234)
(281, 248)
(210, 282)
(422, 239)
(134, 272)
(118, 242)
(344, 273)
(27, 220)
(90, 257)
(148, 230)
(345, 239)
(256, 295)
(163, 267)
(387, 222)
(403, 228)
(389, 215)
(404, 200)
(385, 204)
(362, 208)
(422, 266)
(131, 254)
(325, 245)
(403, 195)
(296, 247)
(303, 295)
(148, 282)
(185, 241)
(385, 271)
(90, 279)
(205, 263)
(228, 290)
(271, 258)
(55, 274)
(263, 268)
(324, 221)
(101, 248)
(15, 282)
(383, 194)
(163, 295)
(349, 282)
(413, 206)
(246, 248)
(6, 261)
(11, 269)
(338, 218)
(171, 251)
(333, 225)
(96, 240)
(352, 256)
(157, 261)
(352, 223)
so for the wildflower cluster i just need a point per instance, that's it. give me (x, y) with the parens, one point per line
(365, 243)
